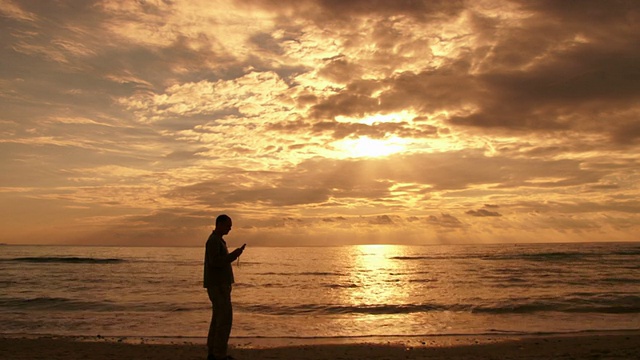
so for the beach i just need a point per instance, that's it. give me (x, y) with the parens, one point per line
(605, 345)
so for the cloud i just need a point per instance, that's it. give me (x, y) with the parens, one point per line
(341, 130)
(483, 213)
(382, 220)
(328, 10)
(445, 221)
(320, 119)
(249, 95)
(321, 181)
(13, 11)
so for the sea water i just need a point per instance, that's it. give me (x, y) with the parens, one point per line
(324, 292)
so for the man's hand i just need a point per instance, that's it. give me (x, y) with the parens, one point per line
(237, 252)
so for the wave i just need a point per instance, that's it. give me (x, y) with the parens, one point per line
(621, 280)
(543, 256)
(304, 273)
(67, 260)
(433, 257)
(532, 256)
(341, 286)
(63, 304)
(414, 257)
(627, 252)
(418, 335)
(629, 304)
(6, 283)
(57, 303)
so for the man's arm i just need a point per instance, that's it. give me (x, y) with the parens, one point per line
(217, 258)
(236, 253)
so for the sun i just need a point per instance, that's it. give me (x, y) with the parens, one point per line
(364, 146)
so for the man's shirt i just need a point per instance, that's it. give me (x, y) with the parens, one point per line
(217, 263)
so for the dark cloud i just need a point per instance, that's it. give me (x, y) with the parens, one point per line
(412, 8)
(604, 187)
(340, 70)
(266, 42)
(582, 13)
(535, 83)
(329, 11)
(382, 220)
(291, 127)
(297, 146)
(560, 94)
(612, 205)
(537, 76)
(351, 102)
(279, 196)
(428, 91)
(334, 219)
(483, 213)
(226, 194)
(185, 155)
(165, 227)
(445, 221)
(341, 130)
(316, 181)
(67, 61)
(628, 132)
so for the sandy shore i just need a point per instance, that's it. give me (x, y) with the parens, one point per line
(612, 345)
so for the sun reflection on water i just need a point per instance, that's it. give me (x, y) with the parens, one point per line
(375, 272)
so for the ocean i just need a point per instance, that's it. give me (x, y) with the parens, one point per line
(324, 292)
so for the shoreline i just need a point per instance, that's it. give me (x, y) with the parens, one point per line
(623, 344)
(283, 341)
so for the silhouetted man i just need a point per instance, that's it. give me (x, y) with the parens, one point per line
(218, 277)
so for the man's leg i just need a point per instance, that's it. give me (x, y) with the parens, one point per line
(223, 320)
(212, 326)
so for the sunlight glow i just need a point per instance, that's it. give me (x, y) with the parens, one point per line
(367, 147)
(402, 116)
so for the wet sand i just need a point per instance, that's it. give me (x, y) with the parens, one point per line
(606, 345)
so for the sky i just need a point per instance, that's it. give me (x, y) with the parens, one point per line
(319, 122)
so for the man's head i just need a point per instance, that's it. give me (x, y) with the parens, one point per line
(223, 224)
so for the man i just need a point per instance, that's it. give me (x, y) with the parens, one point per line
(218, 277)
